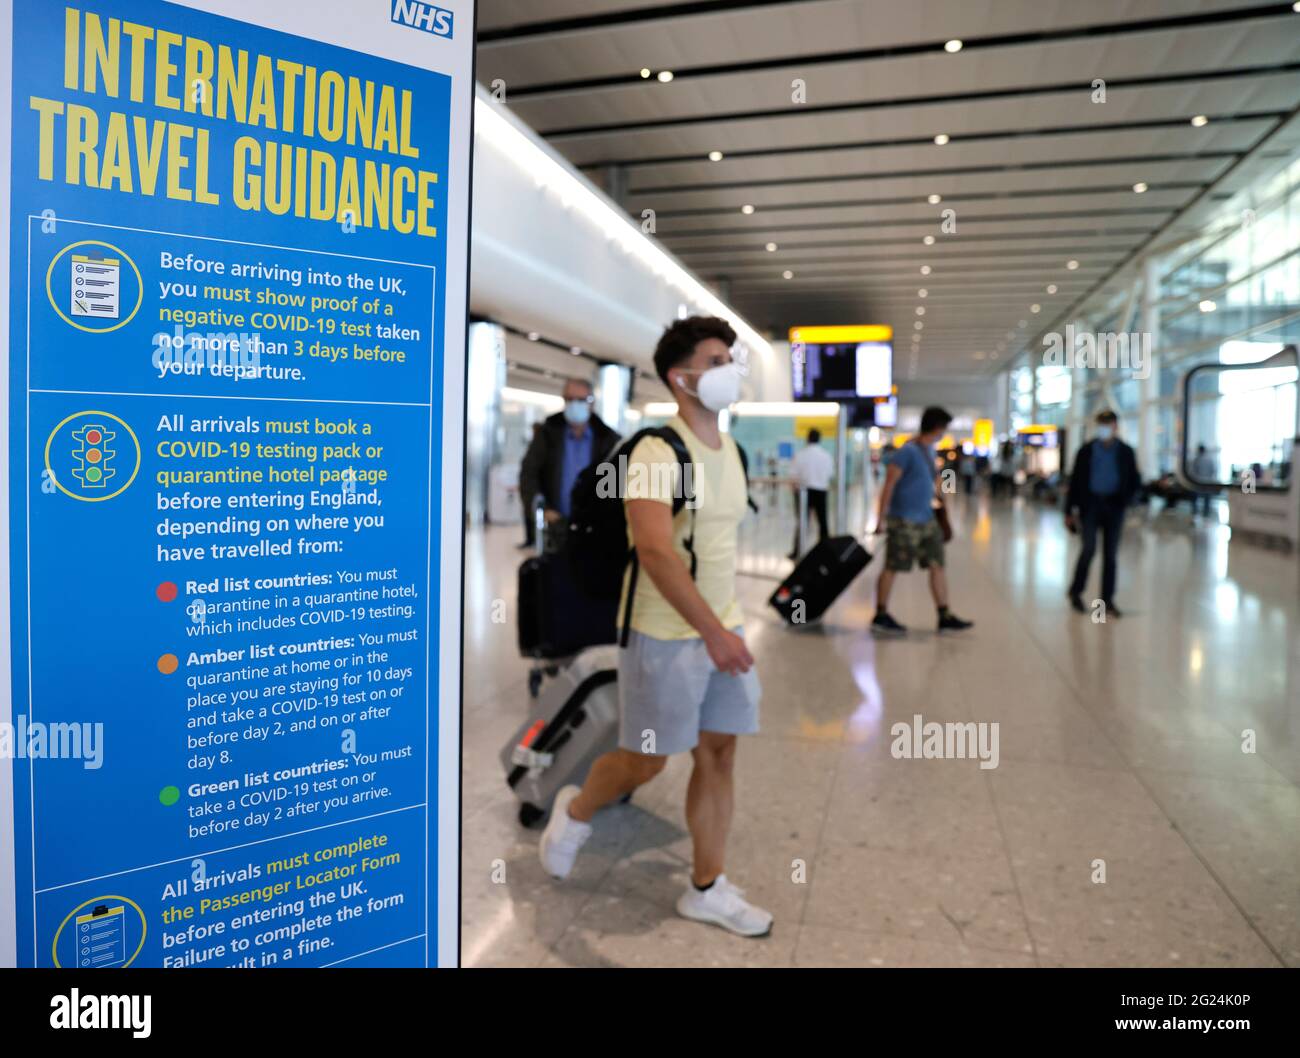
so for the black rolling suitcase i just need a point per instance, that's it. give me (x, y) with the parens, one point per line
(555, 618)
(819, 579)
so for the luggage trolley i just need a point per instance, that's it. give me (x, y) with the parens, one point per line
(571, 640)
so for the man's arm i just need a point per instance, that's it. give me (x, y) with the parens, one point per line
(1133, 475)
(651, 522)
(530, 472)
(1074, 495)
(892, 474)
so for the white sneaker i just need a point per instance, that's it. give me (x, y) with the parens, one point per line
(723, 904)
(563, 837)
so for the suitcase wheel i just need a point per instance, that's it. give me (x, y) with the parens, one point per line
(529, 814)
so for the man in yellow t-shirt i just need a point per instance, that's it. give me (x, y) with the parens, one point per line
(686, 679)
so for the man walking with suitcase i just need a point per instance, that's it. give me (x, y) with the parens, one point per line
(812, 470)
(914, 534)
(686, 679)
(568, 442)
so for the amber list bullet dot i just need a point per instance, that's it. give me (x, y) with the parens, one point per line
(166, 591)
(167, 664)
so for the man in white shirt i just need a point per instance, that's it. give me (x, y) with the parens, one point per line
(812, 469)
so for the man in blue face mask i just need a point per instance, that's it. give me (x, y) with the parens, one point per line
(568, 443)
(1102, 486)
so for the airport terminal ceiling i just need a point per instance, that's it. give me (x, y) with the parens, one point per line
(969, 172)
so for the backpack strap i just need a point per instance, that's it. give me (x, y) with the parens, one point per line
(744, 468)
(674, 441)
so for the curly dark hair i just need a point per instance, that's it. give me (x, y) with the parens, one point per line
(934, 418)
(678, 342)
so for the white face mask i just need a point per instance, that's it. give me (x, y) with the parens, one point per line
(1105, 433)
(719, 387)
(577, 412)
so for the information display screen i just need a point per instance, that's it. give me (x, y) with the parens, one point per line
(841, 363)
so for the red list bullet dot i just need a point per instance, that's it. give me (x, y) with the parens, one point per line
(166, 591)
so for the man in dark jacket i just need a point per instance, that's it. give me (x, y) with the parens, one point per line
(568, 443)
(1103, 484)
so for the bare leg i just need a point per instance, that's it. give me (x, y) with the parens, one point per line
(883, 586)
(939, 585)
(613, 775)
(710, 799)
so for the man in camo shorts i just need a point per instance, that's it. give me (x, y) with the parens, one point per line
(914, 536)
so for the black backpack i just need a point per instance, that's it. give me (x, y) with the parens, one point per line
(596, 543)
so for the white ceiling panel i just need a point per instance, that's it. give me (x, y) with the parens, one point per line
(1037, 172)
(756, 32)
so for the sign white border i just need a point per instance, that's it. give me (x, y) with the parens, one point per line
(8, 890)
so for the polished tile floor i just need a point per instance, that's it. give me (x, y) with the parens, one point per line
(1125, 822)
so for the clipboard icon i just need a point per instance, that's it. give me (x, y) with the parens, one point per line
(96, 286)
(101, 937)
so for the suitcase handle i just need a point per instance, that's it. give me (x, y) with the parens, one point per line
(553, 735)
(535, 763)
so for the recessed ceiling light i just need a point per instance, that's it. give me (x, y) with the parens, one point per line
(533, 336)
(1140, 187)
(665, 76)
(771, 247)
(787, 274)
(1207, 305)
(1071, 265)
(1035, 308)
(575, 350)
(1200, 121)
(934, 200)
(1051, 288)
(918, 325)
(925, 270)
(920, 310)
(747, 209)
(952, 47)
(993, 356)
(928, 240)
(715, 156)
(941, 139)
(645, 72)
(923, 293)
(916, 338)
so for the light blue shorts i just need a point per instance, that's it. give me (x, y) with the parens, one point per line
(669, 691)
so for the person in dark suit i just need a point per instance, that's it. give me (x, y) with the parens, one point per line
(530, 523)
(1103, 484)
(568, 442)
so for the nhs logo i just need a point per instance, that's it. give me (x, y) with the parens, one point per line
(419, 15)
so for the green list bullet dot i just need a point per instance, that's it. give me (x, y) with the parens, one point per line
(169, 795)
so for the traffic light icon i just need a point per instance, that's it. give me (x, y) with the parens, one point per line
(92, 455)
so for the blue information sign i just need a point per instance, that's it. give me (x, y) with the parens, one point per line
(236, 267)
